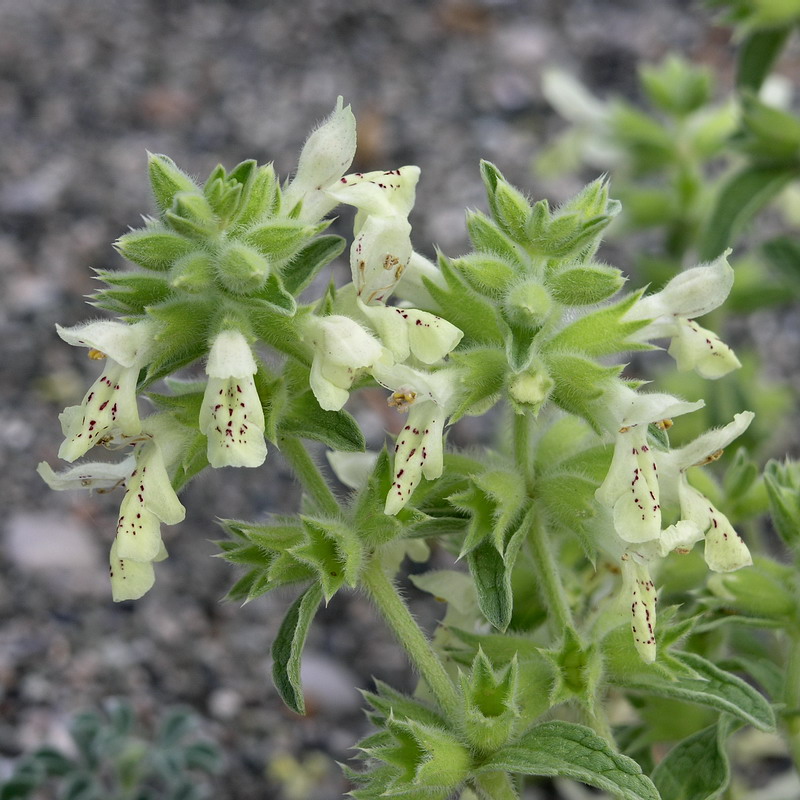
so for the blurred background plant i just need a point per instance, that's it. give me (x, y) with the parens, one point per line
(697, 175)
(112, 758)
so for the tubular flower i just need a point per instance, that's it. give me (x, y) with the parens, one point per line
(232, 416)
(149, 501)
(427, 397)
(342, 349)
(407, 331)
(631, 487)
(109, 406)
(638, 587)
(325, 157)
(381, 246)
(690, 294)
(724, 549)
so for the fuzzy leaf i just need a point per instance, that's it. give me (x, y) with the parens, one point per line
(309, 260)
(711, 687)
(697, 768)
(336, 429)
(585, 285)
(739, 200)
(573, 751)
(154, 248)
(287, 648)
(492, 577)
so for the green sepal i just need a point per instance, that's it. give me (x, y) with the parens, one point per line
(537, 673)
(487, 274)
(182, 337)
(510, 209)
(260, 196)
(741, 474)
(192, 216)
(697, 768)
(486, 237)
(491, 703)
(272, 298)
(287, 649)
(305, 419)
(309, 260)
(373, 525)
(135, 291)
(577, 670)
(676, 86)
(573, 751)
(388, 702)
(154, 247)
(482, 375)
(602, 332)
(494, 500)
(279, 239)
(691, 678)
(585, 284)
(464, 308)
(223, 196)
(278, 329)
(332, 549)
(428, 756)
(782, 482)
(185, 406)
(579, 383)
(166, 180)
(567, 499)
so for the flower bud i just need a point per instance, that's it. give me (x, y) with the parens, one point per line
(527, 305)
(242, 269)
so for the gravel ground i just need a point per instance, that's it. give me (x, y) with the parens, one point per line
(86, 87)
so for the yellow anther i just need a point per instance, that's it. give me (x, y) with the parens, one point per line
(401, 400)
(709, 459)
(664, 424)
(96, 355)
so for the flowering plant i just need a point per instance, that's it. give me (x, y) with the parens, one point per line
(563, 538)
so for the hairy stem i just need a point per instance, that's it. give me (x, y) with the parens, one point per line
(397, 616)
(792, 697)
(307, 472)
(497, 786)
(522, 445)
(548, 576)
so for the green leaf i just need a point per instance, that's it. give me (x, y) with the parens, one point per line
(711, 687)
(332, 549)
(336, 429)
(167, 180)
(177, 723)
(287, 648)
(309, 261)
(483, 373)
(134, 290)
(697, 768)
(579, 382)
(486, 237)
(573, 751)
(203, 756)
(372, 524)
(757, 53)
(493, 583)
(738, 201)
(388, 702)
